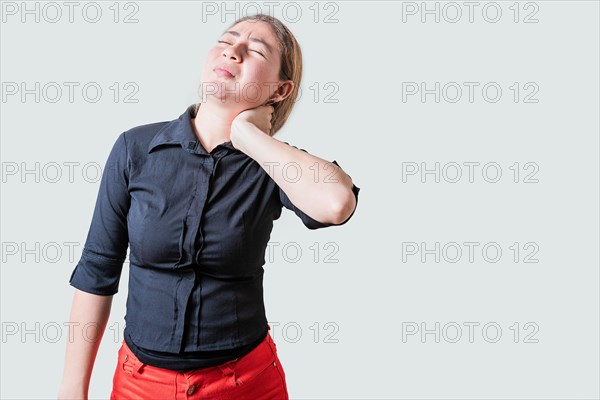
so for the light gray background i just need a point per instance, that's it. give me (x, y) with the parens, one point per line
(371, 132)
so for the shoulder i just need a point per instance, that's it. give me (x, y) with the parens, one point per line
(138, 138)
(144, 133)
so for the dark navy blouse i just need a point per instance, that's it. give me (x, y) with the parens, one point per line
(197, 226)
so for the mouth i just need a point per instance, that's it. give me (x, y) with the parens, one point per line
(221, 71)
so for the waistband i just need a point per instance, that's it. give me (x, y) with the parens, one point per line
(266, 349)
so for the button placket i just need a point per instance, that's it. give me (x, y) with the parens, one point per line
(212, 163)
(197, 206)
(193, 222)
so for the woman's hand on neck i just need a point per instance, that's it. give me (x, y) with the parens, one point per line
(214, 120)
(212, 124)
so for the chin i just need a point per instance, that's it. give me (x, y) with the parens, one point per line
(218, 90)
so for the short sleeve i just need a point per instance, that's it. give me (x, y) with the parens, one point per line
(99, 268)
(309, 222)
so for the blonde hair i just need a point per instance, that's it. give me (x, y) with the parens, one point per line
(291, 66)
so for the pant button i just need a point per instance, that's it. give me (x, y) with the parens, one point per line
(191, 390)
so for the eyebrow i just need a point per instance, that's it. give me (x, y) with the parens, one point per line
(237, 34)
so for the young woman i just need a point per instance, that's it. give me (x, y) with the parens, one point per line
(195, 199)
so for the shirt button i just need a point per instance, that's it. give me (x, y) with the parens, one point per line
(191, 390)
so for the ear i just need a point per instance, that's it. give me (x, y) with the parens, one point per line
(284, 90)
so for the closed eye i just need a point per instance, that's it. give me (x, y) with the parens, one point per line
(222, 41)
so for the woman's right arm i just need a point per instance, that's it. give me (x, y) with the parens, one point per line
(89, 316)
(97, 274)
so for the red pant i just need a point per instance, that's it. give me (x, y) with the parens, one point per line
(257, 375)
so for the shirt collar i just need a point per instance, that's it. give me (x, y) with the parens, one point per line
(180, 131)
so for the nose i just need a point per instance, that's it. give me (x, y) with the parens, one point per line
(232, 52)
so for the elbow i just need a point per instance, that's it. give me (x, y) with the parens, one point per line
(343, 209)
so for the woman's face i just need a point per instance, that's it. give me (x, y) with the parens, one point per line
(250, 52)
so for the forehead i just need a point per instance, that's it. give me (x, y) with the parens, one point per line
(256, 29)
(253, 26)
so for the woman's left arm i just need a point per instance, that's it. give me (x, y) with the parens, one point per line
(318, 187)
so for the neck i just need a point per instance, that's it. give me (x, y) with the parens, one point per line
(213, 123)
